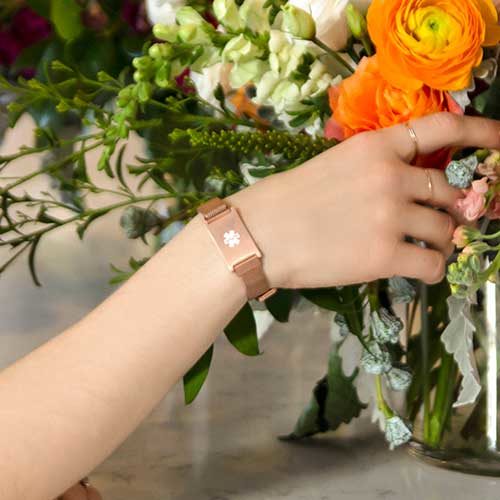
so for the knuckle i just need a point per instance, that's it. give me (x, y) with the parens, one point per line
(384, 216)
(450, 122)
(365, 141)
(436, 268)
(386, 178)
(384, 256)
(450, 227)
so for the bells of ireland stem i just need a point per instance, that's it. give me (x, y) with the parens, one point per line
(460, 173)
(386, 327)
(396, 431)
(298, 22)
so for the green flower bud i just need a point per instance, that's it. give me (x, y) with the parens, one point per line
(141, 63)
(160, 51)
(144, 90)
(191, 33)
(397, 432)
(376, 360)
(386, 327)
(298, 22)
(356, 22)
(399, 379)
(166, 33)
(461, 173)
(162, 77)
(137, 221)
(475, 263)
(476, 248)
(187, 15)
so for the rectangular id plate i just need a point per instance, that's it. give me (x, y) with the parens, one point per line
(232, 238)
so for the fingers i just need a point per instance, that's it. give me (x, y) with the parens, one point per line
(429, 225)
(443, 130)
(424, 264)
(430, 186)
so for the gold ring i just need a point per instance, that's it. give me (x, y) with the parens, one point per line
(413, 137)
(430, 185)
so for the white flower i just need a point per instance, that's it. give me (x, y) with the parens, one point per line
(254, 15)
(232, 238)
(206, 82)
(226, 12)
(163, 11)
(240, 49)
(330, 18)
(245, 72)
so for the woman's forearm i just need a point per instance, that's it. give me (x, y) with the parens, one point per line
(70, 403)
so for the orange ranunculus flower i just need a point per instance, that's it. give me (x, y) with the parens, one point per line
(432, 42)
(366, 101)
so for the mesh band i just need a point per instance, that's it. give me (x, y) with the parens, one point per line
(237, 247)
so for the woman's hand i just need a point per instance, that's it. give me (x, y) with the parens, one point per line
(343, 217)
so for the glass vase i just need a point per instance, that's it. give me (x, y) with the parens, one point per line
(465, 438)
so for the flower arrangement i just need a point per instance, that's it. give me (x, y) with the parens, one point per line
(227, 92)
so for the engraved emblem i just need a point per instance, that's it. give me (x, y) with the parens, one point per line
(232, 239)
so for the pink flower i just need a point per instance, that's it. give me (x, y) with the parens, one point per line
(491, 166)
(473, 205)
(460, 239)
(494, 209)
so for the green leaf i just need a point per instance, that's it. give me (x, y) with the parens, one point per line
(40, 7)
(342, 402)
(66, 17)
(196, 376)
(335, 401)
(326, 298)
(345, 300)
(280, 305)
(308, 423)
(242, 332)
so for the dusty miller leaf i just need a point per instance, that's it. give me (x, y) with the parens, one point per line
(457, 340)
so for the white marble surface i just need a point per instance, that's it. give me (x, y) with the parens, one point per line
(225, 446)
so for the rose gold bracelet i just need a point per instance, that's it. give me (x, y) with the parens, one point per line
(237, 247)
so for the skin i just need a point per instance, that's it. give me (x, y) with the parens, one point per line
(313, 225)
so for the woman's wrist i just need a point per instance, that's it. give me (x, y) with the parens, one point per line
(208, 259)
(258, 219)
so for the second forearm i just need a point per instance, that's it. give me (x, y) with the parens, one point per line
(92, 385)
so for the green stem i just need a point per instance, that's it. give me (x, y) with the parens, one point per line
(50, 168)
(60, 144)
(426, 383)
(381, 403)
(335, 55)
(443, 399)
(367, 45)
(85, 215)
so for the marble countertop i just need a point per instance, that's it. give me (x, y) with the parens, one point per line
(225, 446)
